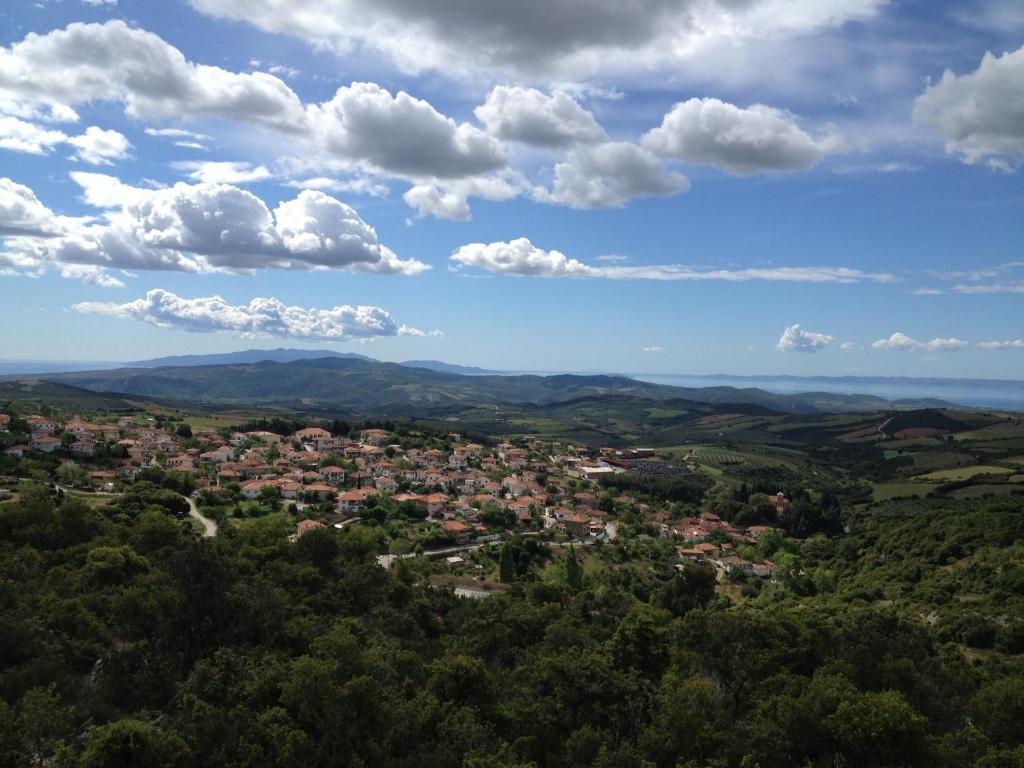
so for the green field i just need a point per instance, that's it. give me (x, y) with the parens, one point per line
(887, 491)
(964, 473)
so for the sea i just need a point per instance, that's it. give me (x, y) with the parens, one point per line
(974, 393)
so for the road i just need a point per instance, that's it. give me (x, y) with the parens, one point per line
(209, 526)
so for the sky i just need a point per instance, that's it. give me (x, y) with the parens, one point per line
(807, 187)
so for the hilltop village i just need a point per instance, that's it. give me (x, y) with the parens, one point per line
(433, 492)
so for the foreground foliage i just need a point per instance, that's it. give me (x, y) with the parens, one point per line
(126, 641)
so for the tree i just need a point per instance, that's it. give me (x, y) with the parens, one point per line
(133, 744)
(573, 571)
(506, 565)
(43, 721)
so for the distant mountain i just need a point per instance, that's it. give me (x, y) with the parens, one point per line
(280, 355)
(357, 385)
(437, 365)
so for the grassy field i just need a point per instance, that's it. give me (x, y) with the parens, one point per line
(964, 473)
(886, 491)
(985, 489)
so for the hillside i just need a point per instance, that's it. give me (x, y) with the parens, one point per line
(367, 386)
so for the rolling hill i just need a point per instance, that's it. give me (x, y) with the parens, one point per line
(356, 385)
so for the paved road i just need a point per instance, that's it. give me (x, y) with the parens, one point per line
(209, 526)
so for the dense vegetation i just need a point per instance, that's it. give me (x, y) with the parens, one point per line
(126, 641)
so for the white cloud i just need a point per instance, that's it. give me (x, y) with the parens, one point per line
(522, 258)
(533, 117)
(401, 134)
(946, 345)
(609, 175)
(181, 137)
(450, 199)
(113, 62)
(653, 349)
(43, 112)
(91, 275)
(22, 213)
(212, 172)
(201, 227)
(537, 37)
(851, 346)
(99, 147)
(1015, 286)
(902, 343)
(21, 136)
(176, 133)
(261, 316)
(795, 339)
(738, 140)
(96, 146)
(360, 185)
(980, 115)
(1007, 344)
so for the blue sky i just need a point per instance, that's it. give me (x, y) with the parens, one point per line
(659, 186)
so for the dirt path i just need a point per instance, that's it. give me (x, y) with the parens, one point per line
(209, 526)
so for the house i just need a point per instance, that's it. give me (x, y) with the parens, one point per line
(251, 490)
(17, 451)
(351, 502)
(322, 491)
(332, 474)
(315, 436)
(218, 455)
(82, 448)
(435, 503)
(386, 484)
(578, 526)
(307, 525)
(456, 528)
(41, 425)
(780, 501)
(755, 531)
(182, 461)
(45, 443)
(270, 438)
(5, 422)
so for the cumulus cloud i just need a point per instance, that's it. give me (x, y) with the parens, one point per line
(610, 174)
(362, 124)
(538, 37)
(83, 63)
(402, 134)
(739, 140)
(99, 147)
(522, 258)
(450, 199)
(260, 317)
(980, 115)
(1007, 344)
(533, 117)
(901, 342)
(22, 136)
(196, 228)
(22, 213)
(795, 339)
(96, 146)
(213, 172)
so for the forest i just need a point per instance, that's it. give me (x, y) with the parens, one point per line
(127, 641)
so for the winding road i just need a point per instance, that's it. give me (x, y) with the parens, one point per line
(209, 526)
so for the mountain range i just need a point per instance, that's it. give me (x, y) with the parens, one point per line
(354, 384)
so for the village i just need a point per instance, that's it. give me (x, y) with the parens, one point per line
(453, 494)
